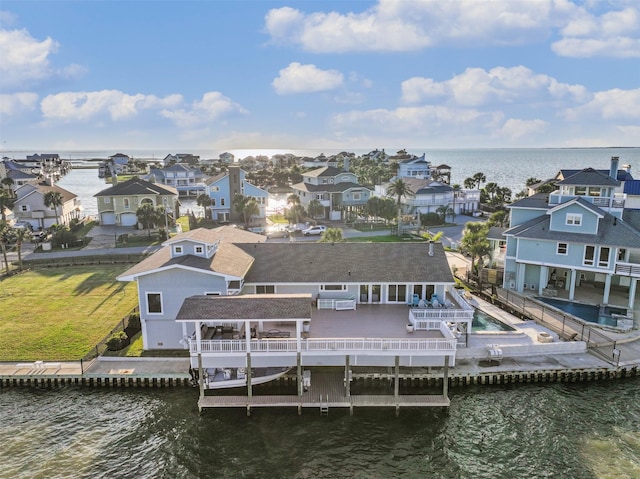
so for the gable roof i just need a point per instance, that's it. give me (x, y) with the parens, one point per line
(248, 306)
(43, 188)
(579, 201)
(539, 201)
(347, 263)
(425, 186)
(137, 186)
(622, 174)
(611, 232)
(325, 171)
(589, 176)
(329, 187)
(229, 234)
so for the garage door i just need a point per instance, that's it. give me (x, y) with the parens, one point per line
(108, 219)
(128, 219)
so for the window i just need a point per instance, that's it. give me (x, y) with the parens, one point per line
(154, 303)
(622, 253)
(603, 259)
(177, 249)
(24, 208)
(397, 293)
(126, 204)
(356, 196)
(212, 293)
(106, 200)
(589, 254)
(581, 190)
(214, 188)
(234, 284)
(333, 287)
(221, 201)
(199, 250)
(594, 191)
(265, 289)
(213, 202)
(562, 248)
(574, 219)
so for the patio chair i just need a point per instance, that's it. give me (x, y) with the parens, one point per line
(415, 301)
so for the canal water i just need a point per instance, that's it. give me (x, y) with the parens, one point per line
(576, 430)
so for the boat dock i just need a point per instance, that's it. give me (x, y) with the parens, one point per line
(326, 391)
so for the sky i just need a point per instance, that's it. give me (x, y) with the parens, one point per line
(336, 75)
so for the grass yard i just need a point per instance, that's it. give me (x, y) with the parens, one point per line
(57, 314)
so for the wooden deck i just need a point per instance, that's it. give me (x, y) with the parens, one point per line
(327, 391)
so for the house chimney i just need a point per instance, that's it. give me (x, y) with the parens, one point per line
(430, 248)
(613, 173)
(345, 163)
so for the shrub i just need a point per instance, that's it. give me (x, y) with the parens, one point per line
(430, 219)
(118, 341)
(134, 322)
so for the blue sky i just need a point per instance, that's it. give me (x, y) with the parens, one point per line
(334, 75)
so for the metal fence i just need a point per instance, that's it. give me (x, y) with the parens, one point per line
(565, 325)
(101, 347)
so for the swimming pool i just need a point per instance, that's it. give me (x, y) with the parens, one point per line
(484, 322)
(588, 312)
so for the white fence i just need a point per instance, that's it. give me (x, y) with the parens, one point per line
(336, 304)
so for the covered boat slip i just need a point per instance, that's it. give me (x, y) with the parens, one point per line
(324, 389)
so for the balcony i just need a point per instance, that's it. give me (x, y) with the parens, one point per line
(606, 203)
(628, 269)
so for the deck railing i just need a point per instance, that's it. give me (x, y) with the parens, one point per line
(332, 345)
(630, 269)
(336, 304)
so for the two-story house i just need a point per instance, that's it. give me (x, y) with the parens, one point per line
(337, 190)
(414, 167)
(117, 205)
(30, 206)
(19, 174)
(119, 163)
(576, 236)
(223, 188)
(189, 181)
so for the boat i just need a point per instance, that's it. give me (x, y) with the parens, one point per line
(223, 378)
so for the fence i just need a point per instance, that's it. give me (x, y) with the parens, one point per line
(84, 260)
(565, 325)
(101, 347)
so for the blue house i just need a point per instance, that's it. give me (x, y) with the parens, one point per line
(189, 181)
(581, 235)
(225, 186)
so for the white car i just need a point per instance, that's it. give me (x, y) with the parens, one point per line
(314, 230)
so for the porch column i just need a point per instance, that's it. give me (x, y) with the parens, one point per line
(632, 292)
(445, 377)
(543, 279)
(249, 387)
(299, 373)
(572, 288)
(520, 270)
(200, 375)
(396, 385)
(247, 335)
(347, 383)
(198, 337)
(607, 289)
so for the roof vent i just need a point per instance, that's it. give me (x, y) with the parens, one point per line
(430, 248)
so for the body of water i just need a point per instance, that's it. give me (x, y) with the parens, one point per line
(564, 431)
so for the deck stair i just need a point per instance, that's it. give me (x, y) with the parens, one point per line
(324, 406)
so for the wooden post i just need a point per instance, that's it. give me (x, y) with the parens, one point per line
(249, 387)
(200, 378)
(445, 378)
(347, 383)
(299, 374)
(396, 386)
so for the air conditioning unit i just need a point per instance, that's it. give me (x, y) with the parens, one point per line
(512, 285)
(526, 285)
(583, 276)
(532, 287)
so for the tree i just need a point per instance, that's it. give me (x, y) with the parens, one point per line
(332, 235)
(296, 210)
(8, 183)
(148, 216)
(479, 178)
(469, 183)
(250, 210)
(239, 202)
(6, 201)
(499, 218)
(205, 201)
(443, 211)
(399, 189)
(21, 235)
(5, 232)
(315, 209)
(475, 242)
(53, 199)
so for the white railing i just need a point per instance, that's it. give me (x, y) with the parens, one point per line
(599, 201)
(629, 269)
(336, 304)
(333, 345)
(440, 314)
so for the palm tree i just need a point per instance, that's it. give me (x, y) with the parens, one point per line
(53, 199)
(4, 240)
(332, 235)
(296, 207)
(479, 178)
(148, 216)
(398, 189)
(315, 209)
(8, 182)
(6, 201)
(204, 201)
(474, 240)
(21, 235)
(251, 209)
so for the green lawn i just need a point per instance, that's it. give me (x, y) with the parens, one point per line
(61, 313)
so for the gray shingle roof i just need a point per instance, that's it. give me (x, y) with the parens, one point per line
(539, 200)
(324, 171)
(331, 188)
(137, 186)
(347, 263)
(590, 177)
(248, 306)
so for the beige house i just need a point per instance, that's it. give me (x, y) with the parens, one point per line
(30, 206)
(117, 205)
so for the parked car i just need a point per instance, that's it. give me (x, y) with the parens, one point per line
(280, 231)
(22, 225)
(314, 230)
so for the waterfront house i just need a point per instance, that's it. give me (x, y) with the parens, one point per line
(117, 205)
(187, 180)
(224, 187)
(337, 190)
(19, 174)
(30, 206)
(119, 163)
(227, 294)
(580, 236)
(411, 166)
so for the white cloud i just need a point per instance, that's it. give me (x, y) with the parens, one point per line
(393, 25)
(611, 105)
(298, 78)
(500, 85)
(212, 107)
(515, 129)
(27, 60)
(17, 103)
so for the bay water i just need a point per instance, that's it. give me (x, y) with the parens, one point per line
(579, 430)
